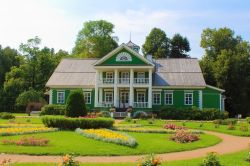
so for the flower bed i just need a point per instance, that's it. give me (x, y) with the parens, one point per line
(107, 135)
(27, 141)
(183, 136)
(23, 130)
(151, 130)
(9, 125)
(172, 126)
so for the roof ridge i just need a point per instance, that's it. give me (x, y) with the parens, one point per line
(81, 58)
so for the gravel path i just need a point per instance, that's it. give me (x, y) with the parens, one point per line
(229, 144)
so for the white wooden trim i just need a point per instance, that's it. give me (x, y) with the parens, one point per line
(90, 97)
(153, 93)
(200, 100)
(60, 91)
(156, 90)
(50, 96)
(120, 48)
(185, 98)
(141, 90)
(215, 88)
(108, 90)
(172, 94)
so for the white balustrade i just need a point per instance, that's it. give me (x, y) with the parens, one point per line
(141, 80)
(140, 104)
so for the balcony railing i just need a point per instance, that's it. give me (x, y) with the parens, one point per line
(141, 80)
(123, 81)
(140, 104)
(120, 114)
(106, 104)
(107, 80)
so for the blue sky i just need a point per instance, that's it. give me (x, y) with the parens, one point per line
(57, 22)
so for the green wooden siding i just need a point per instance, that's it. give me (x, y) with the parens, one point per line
(67, 91)
(112, 60)
(211, 98)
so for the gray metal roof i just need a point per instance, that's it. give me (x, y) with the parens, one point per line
(168, 72)
(178, 72)
(73, 72)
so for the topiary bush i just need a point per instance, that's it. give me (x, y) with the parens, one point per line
(53, 109)
(140, 115)
(75, 105)
(6, 115)
(73, 123)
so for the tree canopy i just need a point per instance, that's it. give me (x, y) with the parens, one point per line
(179, 47)
(226, 64)
(156, 44)
(94, 40)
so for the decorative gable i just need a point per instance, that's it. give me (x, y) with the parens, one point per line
(123, 55)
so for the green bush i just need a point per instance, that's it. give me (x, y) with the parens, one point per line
(191, 113)
(211, 160)
(140, 115)
(53, 109)
(105, 114)
(75, 105)
(127, 119)
(228, 121)
(6, 115)
(73, 123)
(248, 119)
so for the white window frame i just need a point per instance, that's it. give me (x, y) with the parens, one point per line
(165, 97)
(153, 97)
(109, 74)
(112, 96)
(88, 96)
(60, 101)
(185, 98)
(141, 92)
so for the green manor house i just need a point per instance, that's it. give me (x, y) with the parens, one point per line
(124, 78)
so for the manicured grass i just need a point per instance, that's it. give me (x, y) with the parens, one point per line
(64, 142)
(26, 120)
(234, 159)
(196, 125)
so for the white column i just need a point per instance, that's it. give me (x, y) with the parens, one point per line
(115, 88)
(96, 87)
(220, 103)
(200, 100)
(131, 88)
(50, 96)
(100, 95)
(150, 88)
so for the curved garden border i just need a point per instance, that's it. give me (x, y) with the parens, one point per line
(229, 144)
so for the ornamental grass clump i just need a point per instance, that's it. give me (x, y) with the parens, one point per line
(244, 127)
(172, 126)
(231, 126)
(107, 135)
(150, 160)
(183, 136)
(211, 160)
(27, 141)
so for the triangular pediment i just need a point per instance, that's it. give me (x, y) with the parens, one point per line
(123, 56)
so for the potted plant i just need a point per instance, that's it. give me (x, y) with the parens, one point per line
(129, 110)
(112, 110)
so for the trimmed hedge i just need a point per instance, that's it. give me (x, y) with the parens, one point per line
(228, 121)
(192, 113)
(6, 115)
(53, 109)
(73, 123)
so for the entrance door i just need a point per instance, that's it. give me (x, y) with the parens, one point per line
(124, 99)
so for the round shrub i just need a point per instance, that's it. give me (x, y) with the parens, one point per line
(248, 119)
(140, 115)
(75, 105)
(211, 160)
(183, 136)
(6, 115)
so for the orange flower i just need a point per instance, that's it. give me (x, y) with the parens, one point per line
(65, 158)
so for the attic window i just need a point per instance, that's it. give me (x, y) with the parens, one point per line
(123, 57)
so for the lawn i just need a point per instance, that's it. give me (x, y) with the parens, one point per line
(64, 142)
(26, 120)
(234, 159)
(195, 125)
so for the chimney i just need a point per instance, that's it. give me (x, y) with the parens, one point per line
(149, 57)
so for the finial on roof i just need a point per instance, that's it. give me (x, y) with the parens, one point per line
(130, 36)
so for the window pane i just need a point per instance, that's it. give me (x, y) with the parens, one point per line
(168, 98)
